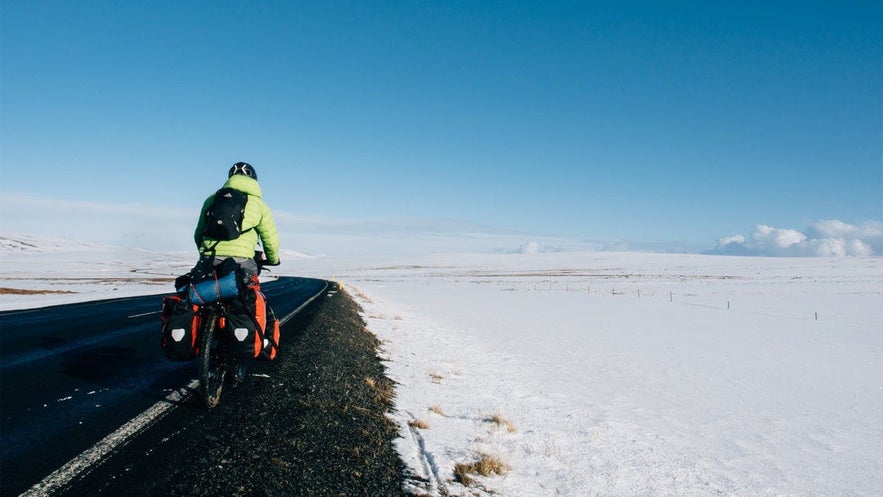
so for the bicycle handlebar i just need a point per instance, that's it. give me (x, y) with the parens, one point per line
(261, 262)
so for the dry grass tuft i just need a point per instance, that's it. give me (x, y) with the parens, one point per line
(18, 291)
(382, 391)
(438, 410)
(361, 295)
(485, 466)
(418, 423)
(502, 422)
(436, 378)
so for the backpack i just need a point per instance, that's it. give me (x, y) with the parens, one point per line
(223, 218)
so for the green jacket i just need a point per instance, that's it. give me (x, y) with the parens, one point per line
(257, 215)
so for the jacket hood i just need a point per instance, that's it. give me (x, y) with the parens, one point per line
(244, 184)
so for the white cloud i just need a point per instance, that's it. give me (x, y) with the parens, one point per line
(774, 239)
(531, 247)
(824, 238)
(171, 229)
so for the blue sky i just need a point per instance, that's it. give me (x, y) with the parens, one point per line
(676, 123)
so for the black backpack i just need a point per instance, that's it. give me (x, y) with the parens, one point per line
(223, 218)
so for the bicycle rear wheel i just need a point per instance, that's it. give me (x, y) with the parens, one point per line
(213, 366)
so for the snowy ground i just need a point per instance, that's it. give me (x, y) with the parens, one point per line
(636, 374)
(597, 374)
(39, 271)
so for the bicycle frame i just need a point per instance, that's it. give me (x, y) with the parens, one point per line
(216, 363)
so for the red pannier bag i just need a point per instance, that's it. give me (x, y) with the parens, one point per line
(252, 328)
(180, 327)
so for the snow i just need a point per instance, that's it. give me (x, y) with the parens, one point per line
(61, 270)
(598, 374)
(55, 271)
(636, 374)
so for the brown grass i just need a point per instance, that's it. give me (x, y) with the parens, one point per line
(418, 423)
(485, 466)
(382, 391)
(438, 410)
(502, 422)
(18, 291)
(143, 280)
(361, 295)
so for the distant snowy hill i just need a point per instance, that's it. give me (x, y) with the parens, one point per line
(294, 254)
(18, 243)
(38, 270)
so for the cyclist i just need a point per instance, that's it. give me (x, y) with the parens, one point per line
(257, 225)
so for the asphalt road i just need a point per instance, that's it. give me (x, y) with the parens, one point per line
(73, 375)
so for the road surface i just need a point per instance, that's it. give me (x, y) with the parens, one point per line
(85, 385)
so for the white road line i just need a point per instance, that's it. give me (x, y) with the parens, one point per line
(144, 314)
(63, 475)
(77, 465)
(292, 313)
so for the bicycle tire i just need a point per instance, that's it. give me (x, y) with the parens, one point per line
(213, 368)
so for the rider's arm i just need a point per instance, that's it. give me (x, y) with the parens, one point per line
(200, 224)
(269, 235)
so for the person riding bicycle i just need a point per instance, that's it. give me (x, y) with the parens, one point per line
(257, 225)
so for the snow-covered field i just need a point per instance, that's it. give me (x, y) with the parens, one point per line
(40, 271)
(597, 374)
(637, 374)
